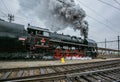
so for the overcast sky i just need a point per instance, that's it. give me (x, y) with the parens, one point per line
(104, 20)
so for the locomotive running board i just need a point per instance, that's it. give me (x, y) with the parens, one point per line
(70, 43)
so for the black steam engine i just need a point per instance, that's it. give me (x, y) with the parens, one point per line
(34, 42)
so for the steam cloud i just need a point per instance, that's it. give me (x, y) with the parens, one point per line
(59, 14)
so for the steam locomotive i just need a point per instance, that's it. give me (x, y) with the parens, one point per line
(34, 42)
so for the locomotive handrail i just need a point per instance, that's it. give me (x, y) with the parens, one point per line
(72, 43)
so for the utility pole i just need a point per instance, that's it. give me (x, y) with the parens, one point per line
(118, 45)
(10, 18)
(105, 43)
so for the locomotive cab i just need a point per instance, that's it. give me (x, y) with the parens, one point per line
(38, 39)
(38, 35)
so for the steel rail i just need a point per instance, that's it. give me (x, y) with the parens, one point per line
(63, 75)
(70, 71)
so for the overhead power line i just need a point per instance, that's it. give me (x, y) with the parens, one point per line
(98, 20)
(98, 14)
(117, 2)
(5, 6)
(103, 24)
(109, 4)
(3, 13)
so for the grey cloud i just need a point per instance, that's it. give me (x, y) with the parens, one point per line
(58, 14)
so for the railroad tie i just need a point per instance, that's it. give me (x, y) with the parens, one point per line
(31, 72)
(6, 75)
(42, 71)
(20, 73)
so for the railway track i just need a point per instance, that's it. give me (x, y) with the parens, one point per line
(64, 73)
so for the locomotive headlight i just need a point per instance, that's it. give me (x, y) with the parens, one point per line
(22, 39)
(42, 40)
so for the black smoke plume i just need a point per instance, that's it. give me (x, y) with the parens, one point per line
(59, 14)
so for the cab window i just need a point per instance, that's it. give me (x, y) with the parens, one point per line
(46, 34)
(39, 32)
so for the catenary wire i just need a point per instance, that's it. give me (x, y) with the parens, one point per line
(5, 6)
(103, 24)
(109, 4)
(95, 12)
(117, 2)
